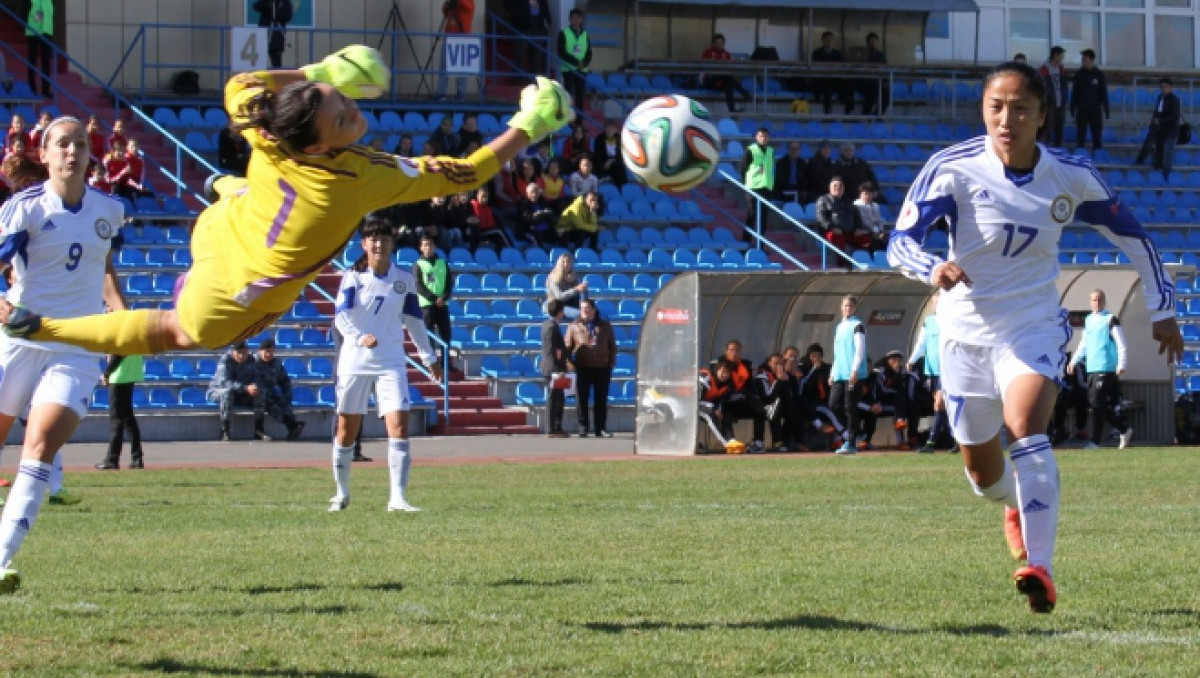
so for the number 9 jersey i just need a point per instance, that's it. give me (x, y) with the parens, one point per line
(58, 253)
(1004, 233)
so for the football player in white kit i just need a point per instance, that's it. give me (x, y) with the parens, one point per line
(376, 303)
(58, 236)
(1006, 199)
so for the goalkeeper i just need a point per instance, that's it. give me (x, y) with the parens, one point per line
(308, 185)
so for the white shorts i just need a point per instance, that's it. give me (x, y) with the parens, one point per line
(34, 376)
(391, 393)
(975, 378)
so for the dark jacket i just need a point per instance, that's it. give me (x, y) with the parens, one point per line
(524, 20)
(554, 349)
(273, 13)
(854, 171)
(837, 215)
(589, 351)
(1089, 91)
(1058, 97)
(233, 376)
(1168, 120)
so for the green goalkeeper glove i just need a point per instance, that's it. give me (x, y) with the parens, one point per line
(357, 71)
(545, 109)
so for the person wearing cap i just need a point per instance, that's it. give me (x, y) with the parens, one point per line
(1163, 132)
(894, 395)
(236, 383)
(1056, 108)
(1089, 100)
(277, 389)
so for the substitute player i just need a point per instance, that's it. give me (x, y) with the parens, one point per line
(58, 236)
(1003, 332)
(307, 187)
(1103, 353)
(376, 303)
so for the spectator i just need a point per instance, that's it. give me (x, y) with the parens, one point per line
(137, 169)
(505, 197)
(1019, 57)
(538, 219)
(818, 173)
(872, 227)
(233, 152)
(849, 367)
(487, 224)
(435, 285)
(458, 17)
(826, 87)
(461, 217)
(531, 18)
(468, 132)
(814, 393)
(554, 368)
(574, 57)
(274, 15)
(1163, 132)
(927, 346)
(1089, 99)
(715, 385)
(579, 225)
(1102, 351)
(591, 342)
(583, 181)
(121, 374)
(236, 384)
(758, 173)
(39, 32)
(19, 149)
(35, 136)
(606, 151)
(98, 180)
(563, 285)
(16, 133)
(404, 147)
(789, 174)
(543, 153)
(526, 175)
(554, 186)
(853, 170)
(97, 142)
(771, 388)
(439, 226)
(119, 173)
(575, 147)
(892, 387)
(876, 92)
(1055, 76)
(444, 139)
(794, 429)
(118, 134)
(742, 401)
(838, 219)
(276, 385)
(722, 82)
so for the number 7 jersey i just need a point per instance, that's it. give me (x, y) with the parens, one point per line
(1004, 233)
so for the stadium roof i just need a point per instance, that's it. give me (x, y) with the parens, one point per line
(907, 6)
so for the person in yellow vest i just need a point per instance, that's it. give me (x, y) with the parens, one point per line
(38, 34)
(579, 225)
(574, 56)
(121, 374)
(758, 172)
(435, 282)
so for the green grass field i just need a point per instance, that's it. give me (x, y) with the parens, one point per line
(873, 566)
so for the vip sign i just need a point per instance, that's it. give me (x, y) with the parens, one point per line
(464, 54)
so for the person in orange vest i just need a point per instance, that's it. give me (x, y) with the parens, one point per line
(744, 402)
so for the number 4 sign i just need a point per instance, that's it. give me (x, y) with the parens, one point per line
(248, 49)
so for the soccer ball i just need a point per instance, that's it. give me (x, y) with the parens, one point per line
(670, 143)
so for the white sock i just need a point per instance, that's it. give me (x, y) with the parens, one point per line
(341, 469)
(1003, 491)
(24, 502)
(1037, 492)
(398, 462)
(56, 474)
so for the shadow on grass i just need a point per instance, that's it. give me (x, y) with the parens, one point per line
(517, 581)
(809, 622)
(169, 666)
(385, 586)
(290, 588)
(1177, 612)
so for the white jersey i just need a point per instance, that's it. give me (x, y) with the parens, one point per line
(58, 253)
(1004, 233)
(382, 306)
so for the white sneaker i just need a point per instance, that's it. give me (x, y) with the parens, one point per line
(338, 504)
(1126, 438)
(10, 580)
(402, 506)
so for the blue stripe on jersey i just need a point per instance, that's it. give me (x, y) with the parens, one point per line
(412, 306)
(14, 245)
(30, 194)
(347, 301)
(905, 253)
(1086, 163)
(1111, 214)
(966, 149)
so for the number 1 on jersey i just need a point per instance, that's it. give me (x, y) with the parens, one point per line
(1009, 229)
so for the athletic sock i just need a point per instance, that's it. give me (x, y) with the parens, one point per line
(24, 502)
(940, 422)
(1003, 491)
(398, 462)
(120, 332)
(341, 469)
(1038, 494)
(56, 474)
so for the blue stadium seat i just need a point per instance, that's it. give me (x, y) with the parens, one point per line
(596, 283)
(461, 260)
(684, 259)
(190, 118)
(644, 283)
(611, 259)
(193, 397)
(406, 257)
(503, 309)
(206, 368)
(511, 336)
(531, 394)
(659, 259)
(287, 337)
(619, 283)
(164, 284)
(630, 309)
(758, 259)
(626, 365)
(295, 367)
(528, 309)
(539, 260)
(159, 257)
(520, 283)
(303, 396)
(586, 259)
(732, 260)
(155, 369)
(139, 284)
(130, 257)
(708, 259)
(162, 398)
(181, 369)
(466, 283)
(521, 365)
(327, 396)
(166, 118)
(311, 337)
(486, 259)
(320, 367)
(493, 366)
(483, 336)
(216, 118)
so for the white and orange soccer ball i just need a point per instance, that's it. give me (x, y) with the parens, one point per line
(670, 143)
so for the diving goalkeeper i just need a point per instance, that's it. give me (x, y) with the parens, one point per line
(307, 188)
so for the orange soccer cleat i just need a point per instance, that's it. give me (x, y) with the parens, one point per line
(1035, 583)
(1012, 533)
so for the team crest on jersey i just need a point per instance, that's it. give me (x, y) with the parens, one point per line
(1061, 208)
(104, 229)
(399, 287)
